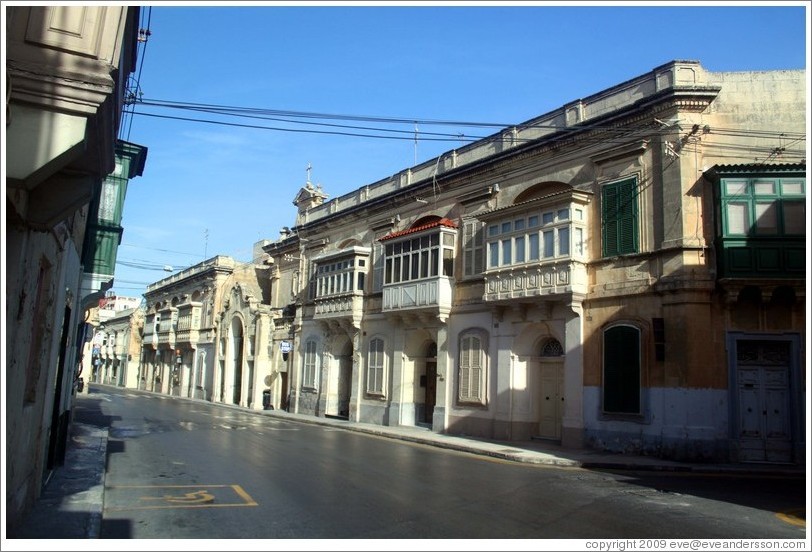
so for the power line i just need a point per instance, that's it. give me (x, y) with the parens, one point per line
(162, 250)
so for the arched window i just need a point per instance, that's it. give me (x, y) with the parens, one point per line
(552, 348)
(621, 370)
(376, 360)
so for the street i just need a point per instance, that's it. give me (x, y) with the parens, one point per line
(189, 469)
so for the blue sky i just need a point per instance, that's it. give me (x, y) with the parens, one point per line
(211, 189)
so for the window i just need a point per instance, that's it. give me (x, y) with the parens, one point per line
(619, 218)
(420, 257)
(472, 368)
(760, 207)
(621, 370)
(537, 236)
(552, 348)
(340, 276)
(375, 367)
(761, 226)
(309, 375)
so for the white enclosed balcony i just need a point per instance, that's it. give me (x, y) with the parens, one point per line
(537, 248)
(338, 284)
(419, 268)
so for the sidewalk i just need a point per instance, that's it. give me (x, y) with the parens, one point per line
(72, 503)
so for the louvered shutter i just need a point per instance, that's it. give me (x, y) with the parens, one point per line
(473, 247)
(619, 218)
(465, 368)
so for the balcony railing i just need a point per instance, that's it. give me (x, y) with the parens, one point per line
(190, 337)
(434, 295)
(339, 306)
(547, 280)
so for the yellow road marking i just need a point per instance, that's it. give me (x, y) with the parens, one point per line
(200, 497)
(796, 516)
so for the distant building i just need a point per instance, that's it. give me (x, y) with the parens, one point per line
(110, 305)
(206, 333)
(117, 349)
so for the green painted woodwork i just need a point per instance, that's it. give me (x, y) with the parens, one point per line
(761, 221)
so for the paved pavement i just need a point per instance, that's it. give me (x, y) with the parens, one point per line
(72, 502)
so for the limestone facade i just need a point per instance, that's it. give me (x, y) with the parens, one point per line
(66, 73)
(560, 279)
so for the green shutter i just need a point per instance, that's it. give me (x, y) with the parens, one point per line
(619, 218)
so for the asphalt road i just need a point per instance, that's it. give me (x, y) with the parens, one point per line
(178, 469)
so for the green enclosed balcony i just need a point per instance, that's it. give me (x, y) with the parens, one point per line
(104, 229)
(761, 221)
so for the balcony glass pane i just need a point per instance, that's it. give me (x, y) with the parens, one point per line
(794, 217)
(549, 244)
(520, 249)
(792, 187)
(493, 254)
(448, 262)
(736, 188)
(533, 246)
(766, 218)
(564, 241)
(738, 219)
(507, 253)
(764, 187)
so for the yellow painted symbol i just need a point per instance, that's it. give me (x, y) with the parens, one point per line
(130, 497)
(795, 517)
(198, 497)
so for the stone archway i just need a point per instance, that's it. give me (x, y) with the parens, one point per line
(235, 359)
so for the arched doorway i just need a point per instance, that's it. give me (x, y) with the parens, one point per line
(550, 389)
(236, 348)
(344, 381)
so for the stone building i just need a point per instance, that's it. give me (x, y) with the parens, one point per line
(118, 340)
(207, 333)
(625, 272)
(67, 69)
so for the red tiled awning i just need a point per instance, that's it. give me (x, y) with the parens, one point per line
(444, 222)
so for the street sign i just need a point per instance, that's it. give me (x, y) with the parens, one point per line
(285, 346)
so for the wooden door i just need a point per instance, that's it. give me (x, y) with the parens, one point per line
(551, 399)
